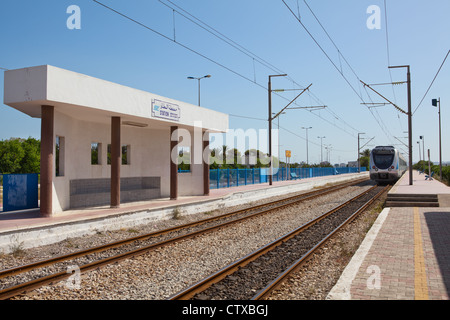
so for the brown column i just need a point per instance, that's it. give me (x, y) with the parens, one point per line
(47, 145)
(205, 163)
(173, 165)
(115, 162)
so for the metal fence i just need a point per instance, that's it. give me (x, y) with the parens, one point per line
(225, 178)
(19, 191)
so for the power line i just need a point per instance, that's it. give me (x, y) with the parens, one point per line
(220, 36)
(389, 59)
(180, 44)
(329, 37)
(324, 52)
(432, 82)
(206, 57)
(246, 117)
(310, 141)
(340, 54)
(237, 46)
(387, 47)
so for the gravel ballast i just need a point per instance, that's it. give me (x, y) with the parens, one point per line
(165, 271)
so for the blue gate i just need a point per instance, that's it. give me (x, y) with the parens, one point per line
(20, 191)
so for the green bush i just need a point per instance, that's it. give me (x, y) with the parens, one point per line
(435, 168)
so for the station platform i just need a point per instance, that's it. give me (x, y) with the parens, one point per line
(31, 230)
(405, 255)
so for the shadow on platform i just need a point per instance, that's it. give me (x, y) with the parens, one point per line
(439, 229)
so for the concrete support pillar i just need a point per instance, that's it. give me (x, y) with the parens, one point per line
(47, 162)
(173, 163)
(116, 160)
(206, 163)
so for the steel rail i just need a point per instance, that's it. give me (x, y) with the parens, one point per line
(265, 292)
(80, 253)
(203, 284)
(30, 285)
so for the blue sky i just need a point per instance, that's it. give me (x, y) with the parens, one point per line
(111, 47)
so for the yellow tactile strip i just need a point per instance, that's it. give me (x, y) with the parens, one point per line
(420, 276)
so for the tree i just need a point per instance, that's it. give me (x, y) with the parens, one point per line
(31, 162)
(20, 155)
(258, 159)
(365, 158)
(11, 154)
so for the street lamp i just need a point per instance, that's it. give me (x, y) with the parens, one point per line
(437, 103)
(420, 155)
(423, 151)
(328, 147)
(194, 78)
(321, 158)
(307, 160)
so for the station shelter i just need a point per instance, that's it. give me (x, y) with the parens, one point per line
(103, 143)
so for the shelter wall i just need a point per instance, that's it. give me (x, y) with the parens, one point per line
(148, 154)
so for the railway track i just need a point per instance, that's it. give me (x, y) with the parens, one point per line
(130, 247)
(256, 275)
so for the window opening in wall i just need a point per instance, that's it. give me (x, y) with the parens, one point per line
(59, 156)
(96, 153)
(126, 154)
(184, 159)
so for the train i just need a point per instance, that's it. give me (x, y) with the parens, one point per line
(387, 165)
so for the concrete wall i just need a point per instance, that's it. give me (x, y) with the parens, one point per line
(82, 95)
(149, 157)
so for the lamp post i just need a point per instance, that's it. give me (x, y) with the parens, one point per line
(328, 147)
(420, 155)
(437, 103)
(194, 78)
(269, 89)
(307, 160)
(321, 157)
(423, 151)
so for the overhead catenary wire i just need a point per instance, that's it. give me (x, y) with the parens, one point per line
(387, 47)
(174, 40)
(431, 84)
(219, 35)
(247, 52)
(288, 131)
(324, 52)
(379, 121)
(389, 58)
(180, 44)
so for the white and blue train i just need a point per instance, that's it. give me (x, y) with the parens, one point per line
(387, 164)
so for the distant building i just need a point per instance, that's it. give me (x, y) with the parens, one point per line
(353, 164)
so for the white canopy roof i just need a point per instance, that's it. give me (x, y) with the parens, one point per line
(92, 99)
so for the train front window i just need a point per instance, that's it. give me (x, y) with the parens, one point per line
(383, 161)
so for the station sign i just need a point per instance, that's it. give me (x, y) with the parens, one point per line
(165, 110)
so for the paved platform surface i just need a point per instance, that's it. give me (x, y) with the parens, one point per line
(405, 255)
